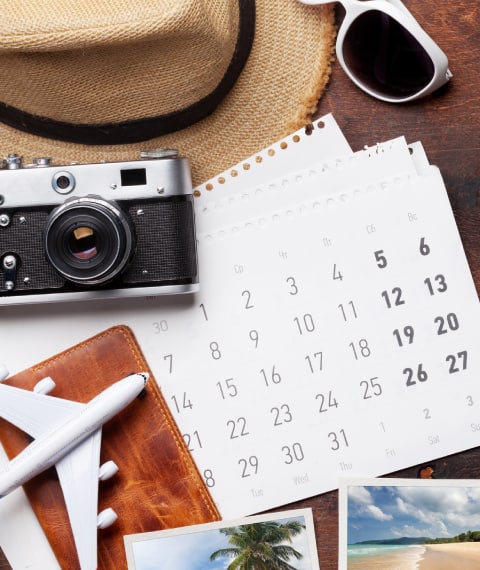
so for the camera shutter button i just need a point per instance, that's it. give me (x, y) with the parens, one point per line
(40, 161)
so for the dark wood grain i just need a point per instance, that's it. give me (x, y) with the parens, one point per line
(4, 565)
(448, 124)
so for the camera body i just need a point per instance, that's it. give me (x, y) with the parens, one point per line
(93, 231)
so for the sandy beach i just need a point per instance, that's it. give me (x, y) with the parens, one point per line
(459, 556)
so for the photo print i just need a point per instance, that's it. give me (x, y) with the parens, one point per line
(279, 540)
(409, 524)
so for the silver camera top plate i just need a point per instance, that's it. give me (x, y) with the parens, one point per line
(154, 176)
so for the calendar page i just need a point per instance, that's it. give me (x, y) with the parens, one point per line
(333, 336)
(321, 355)
(377, 164)
(319, 142)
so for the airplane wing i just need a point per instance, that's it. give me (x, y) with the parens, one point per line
(78, 472)
(34, 413)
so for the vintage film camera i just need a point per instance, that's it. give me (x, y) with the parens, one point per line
(90, 231)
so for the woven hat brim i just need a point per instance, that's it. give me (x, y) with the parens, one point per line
(277, 92)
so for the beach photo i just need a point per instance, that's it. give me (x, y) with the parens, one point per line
(283, 540)
(409, 524)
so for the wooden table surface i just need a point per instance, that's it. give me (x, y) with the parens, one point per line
(448, 124)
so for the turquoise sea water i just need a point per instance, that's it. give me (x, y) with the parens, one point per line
(383, 557)
(363, 550)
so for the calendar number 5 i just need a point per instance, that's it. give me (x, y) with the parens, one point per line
(380, 259)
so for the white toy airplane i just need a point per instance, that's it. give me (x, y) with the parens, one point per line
(67, 434)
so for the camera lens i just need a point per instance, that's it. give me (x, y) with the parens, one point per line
(88, 240)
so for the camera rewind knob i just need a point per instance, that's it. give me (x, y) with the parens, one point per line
(12, 162)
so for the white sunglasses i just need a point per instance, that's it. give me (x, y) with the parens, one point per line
(384, 51)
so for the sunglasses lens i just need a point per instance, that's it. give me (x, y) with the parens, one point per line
(385, 57)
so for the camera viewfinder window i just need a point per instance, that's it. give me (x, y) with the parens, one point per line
(133, 177)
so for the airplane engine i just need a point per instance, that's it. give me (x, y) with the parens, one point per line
(106, 518)
(3, 372)
(44, 386)
(107, 470)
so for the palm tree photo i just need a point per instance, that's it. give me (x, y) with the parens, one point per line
(260, 546)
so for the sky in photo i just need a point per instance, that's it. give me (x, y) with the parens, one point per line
(380, 512)
(192, 551)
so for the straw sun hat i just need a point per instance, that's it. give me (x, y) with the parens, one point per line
(93, 80)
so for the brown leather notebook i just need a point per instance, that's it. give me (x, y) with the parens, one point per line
(158, 485)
